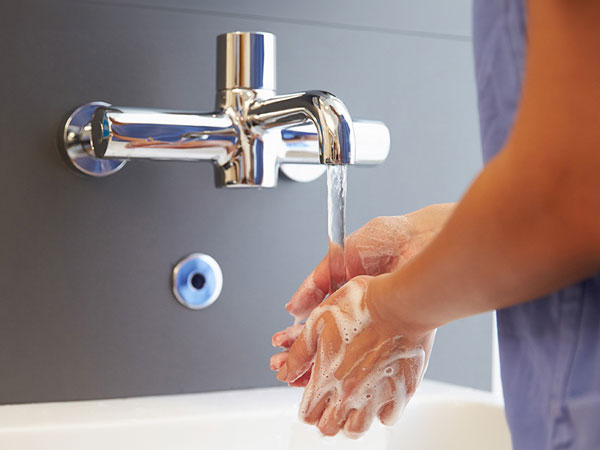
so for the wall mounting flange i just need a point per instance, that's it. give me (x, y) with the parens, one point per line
(74, 143)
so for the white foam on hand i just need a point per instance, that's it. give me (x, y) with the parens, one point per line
(348, 389)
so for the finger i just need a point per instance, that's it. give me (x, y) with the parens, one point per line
(311, 292)
(388, 414)
(314, 408)
(411, 370)
(287, 337)
(301, 353)
(358, 423)
(353, 258)
(396, 391)
(303, 380)
(401, 388)
(278, 360)
(332, 420)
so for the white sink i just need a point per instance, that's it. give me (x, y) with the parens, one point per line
(440, 416)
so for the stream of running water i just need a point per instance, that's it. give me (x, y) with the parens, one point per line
(336, 223)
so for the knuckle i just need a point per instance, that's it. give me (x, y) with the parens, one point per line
(377, 221)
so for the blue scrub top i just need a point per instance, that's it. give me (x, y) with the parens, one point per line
(549, 347)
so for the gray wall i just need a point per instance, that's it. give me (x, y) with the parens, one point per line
(85, 304)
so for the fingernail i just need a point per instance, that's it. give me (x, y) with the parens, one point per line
(282, 374)
(278, 340)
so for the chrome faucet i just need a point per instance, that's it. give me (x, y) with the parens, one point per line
(250, 135)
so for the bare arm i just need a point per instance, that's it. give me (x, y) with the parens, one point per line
(530, 224)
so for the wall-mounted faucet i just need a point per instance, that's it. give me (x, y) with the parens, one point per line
(251, 133)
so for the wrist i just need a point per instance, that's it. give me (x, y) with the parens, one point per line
(390, 306)
(426, 223)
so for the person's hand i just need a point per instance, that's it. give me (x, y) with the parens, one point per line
(362, 365)
(380, 246)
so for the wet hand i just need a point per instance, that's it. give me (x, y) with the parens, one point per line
(377, 247)
(359, 366)
(380, 246)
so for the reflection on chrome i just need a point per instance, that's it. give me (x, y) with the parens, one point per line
(252, 132)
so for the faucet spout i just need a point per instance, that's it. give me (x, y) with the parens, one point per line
(249, 136)
(328, 113)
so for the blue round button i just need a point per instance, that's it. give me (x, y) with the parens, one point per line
(197, 281)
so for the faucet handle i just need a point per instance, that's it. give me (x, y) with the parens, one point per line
(372, 140)
(246, 60)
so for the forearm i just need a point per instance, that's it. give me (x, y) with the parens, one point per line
(512, 238)
(530, 224)
(426, 223)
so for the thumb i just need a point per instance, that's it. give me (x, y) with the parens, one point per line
(311, 292)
